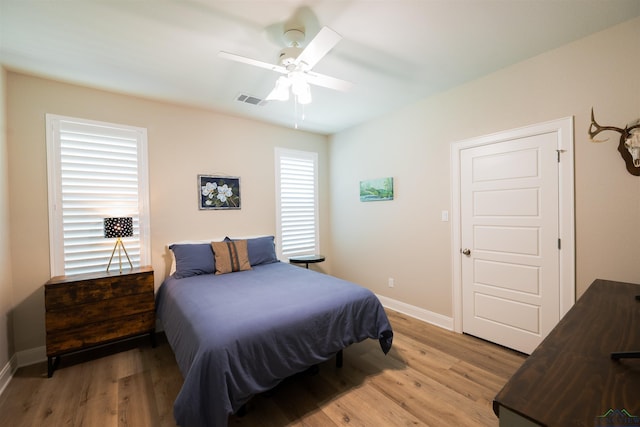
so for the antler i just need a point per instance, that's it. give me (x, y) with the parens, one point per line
(593, 132)
(636, 126)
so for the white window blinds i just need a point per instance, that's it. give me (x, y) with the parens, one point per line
(296, 202)
(96, 170)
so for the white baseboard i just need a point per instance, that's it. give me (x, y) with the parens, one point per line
(417, 312)
(7, 373)
(31, 356)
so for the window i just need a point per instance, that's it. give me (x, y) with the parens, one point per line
(95, 170)
(296, 202)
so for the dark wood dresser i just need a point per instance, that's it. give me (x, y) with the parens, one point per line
(87, 310)
(571, 378)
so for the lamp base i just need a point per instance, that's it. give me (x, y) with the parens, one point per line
(120, 246)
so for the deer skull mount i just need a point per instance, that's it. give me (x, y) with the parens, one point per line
(629, 146)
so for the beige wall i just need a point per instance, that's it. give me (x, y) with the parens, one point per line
(182, 143)
(6, 294)
(405, 239)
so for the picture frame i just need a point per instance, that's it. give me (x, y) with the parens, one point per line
(375, 190)
(218, 192)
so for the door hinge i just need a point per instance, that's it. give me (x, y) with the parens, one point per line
(559, 152)
(559, 244)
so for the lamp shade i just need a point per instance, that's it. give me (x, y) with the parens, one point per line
(118, 227)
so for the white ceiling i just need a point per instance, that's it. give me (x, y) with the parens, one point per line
(394, 51)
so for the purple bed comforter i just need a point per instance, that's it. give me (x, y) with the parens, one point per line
(239, 334)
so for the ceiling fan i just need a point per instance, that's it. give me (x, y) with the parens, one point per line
(296, 63)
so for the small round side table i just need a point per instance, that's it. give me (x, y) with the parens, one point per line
(306, 259)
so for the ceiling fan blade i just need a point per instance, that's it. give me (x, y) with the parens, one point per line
(317, 48)
(254, 62)
(327, 81)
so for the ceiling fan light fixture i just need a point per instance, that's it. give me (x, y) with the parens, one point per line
(302, 92)
(281, 91)
(300, 88)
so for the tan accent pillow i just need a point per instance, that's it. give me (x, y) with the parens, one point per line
(231, 256)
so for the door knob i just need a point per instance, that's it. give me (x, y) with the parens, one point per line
(466, 251)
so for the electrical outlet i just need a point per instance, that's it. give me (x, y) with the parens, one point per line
(391, 282)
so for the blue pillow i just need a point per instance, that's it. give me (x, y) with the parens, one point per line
(193, 259)
(262, 250)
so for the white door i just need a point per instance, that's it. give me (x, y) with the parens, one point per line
(509, 229)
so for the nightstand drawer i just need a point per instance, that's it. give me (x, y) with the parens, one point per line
(68, 290)
(108, 309)
(99, 333)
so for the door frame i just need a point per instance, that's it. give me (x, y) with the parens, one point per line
(564, 129)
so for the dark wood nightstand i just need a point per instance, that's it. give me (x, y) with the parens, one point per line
(87, 310)
(306, 259)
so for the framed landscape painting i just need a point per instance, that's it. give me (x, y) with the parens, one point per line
(373, 190)
(219, 192)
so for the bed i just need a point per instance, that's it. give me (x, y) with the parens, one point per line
(239, 333)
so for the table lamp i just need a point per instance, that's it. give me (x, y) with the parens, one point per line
(118, 227)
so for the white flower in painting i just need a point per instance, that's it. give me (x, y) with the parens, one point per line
(209, 188)
(224, 192)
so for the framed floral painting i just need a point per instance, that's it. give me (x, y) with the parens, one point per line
(219, 192)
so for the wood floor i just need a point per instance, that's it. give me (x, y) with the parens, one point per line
(431, 377)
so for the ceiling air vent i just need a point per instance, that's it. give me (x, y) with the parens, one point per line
(248, 99)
